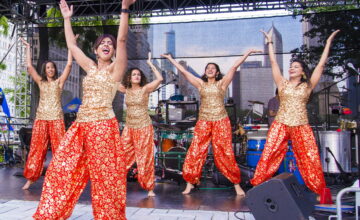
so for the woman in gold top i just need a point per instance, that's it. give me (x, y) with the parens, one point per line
(291, 122)
(213, 125)
(137, 138)
(91, 147)
(49, 121)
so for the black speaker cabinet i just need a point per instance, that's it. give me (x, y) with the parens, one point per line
(281, 198)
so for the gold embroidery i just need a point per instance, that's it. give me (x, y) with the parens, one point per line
(212, 102)
(99, 91)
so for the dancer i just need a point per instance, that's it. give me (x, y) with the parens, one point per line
(137, 138)
(291, 122)
(91, 147)
(213, 125)
(49, 121)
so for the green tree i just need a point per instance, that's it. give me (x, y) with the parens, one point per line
(89, 28)
(346, 45)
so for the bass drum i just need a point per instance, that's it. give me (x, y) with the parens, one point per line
(174, 158)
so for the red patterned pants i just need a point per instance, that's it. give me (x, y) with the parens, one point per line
(138, 144)
(219, 133)
(43, 131)
(305, 152)
(89, 150)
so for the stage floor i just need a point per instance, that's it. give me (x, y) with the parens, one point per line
(168, 194)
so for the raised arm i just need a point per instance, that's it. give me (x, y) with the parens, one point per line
(120, 63)
(189, 76)
(319, 69)
(80, 57)
(226, 80)
(30, 68)
(150, 87)
(278, 78)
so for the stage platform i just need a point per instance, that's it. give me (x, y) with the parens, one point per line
(208, 203)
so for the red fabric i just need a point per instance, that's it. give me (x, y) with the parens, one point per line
(89, 150)
(138, 144)
(219, 132)
(305, 152)
(43, 132)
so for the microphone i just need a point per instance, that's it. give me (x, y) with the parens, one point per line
(351, 68)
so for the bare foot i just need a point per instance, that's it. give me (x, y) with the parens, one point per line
(27, 185)
(239, 191)
(151, 193)
(188, 188)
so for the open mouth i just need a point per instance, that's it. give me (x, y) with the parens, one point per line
(106, 51)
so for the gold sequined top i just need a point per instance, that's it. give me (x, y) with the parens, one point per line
(293, 100)
(50, 101)
(137, 108)
(212, 106)
(99, 89)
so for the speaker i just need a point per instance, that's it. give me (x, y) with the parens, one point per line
(281, 197)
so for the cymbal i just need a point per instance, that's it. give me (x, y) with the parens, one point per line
(255, 102)
(166, 127)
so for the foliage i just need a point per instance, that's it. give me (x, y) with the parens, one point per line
(89, 28)
(346, 45)
(4, 25)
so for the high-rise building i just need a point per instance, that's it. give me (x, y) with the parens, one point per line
(166, 66)
(254, 81)
(324, 97)
(186, 88)
(278, 48)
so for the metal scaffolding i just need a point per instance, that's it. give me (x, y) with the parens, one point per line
(37, 11)
(22, 93)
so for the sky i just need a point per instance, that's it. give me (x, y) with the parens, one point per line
(225, 38)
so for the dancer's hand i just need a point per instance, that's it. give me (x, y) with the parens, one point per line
(65, 10)
(332, 36)
(267, 36)
(167, 56)
(149, 59)
(25, 42)
(126, 3)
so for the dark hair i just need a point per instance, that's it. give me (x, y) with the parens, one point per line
(277, 91)
(306, 70)
(127, 78)
(218, 77)
(43, 71)
(101, 38)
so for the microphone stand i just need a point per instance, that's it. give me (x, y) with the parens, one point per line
(158, 89)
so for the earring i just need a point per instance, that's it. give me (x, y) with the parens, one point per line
(304, 76)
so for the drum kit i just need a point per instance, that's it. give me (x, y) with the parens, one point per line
(248, 144)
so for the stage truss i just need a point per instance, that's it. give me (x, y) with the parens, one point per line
(36, 11)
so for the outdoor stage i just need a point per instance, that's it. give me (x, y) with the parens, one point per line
(208, 203)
